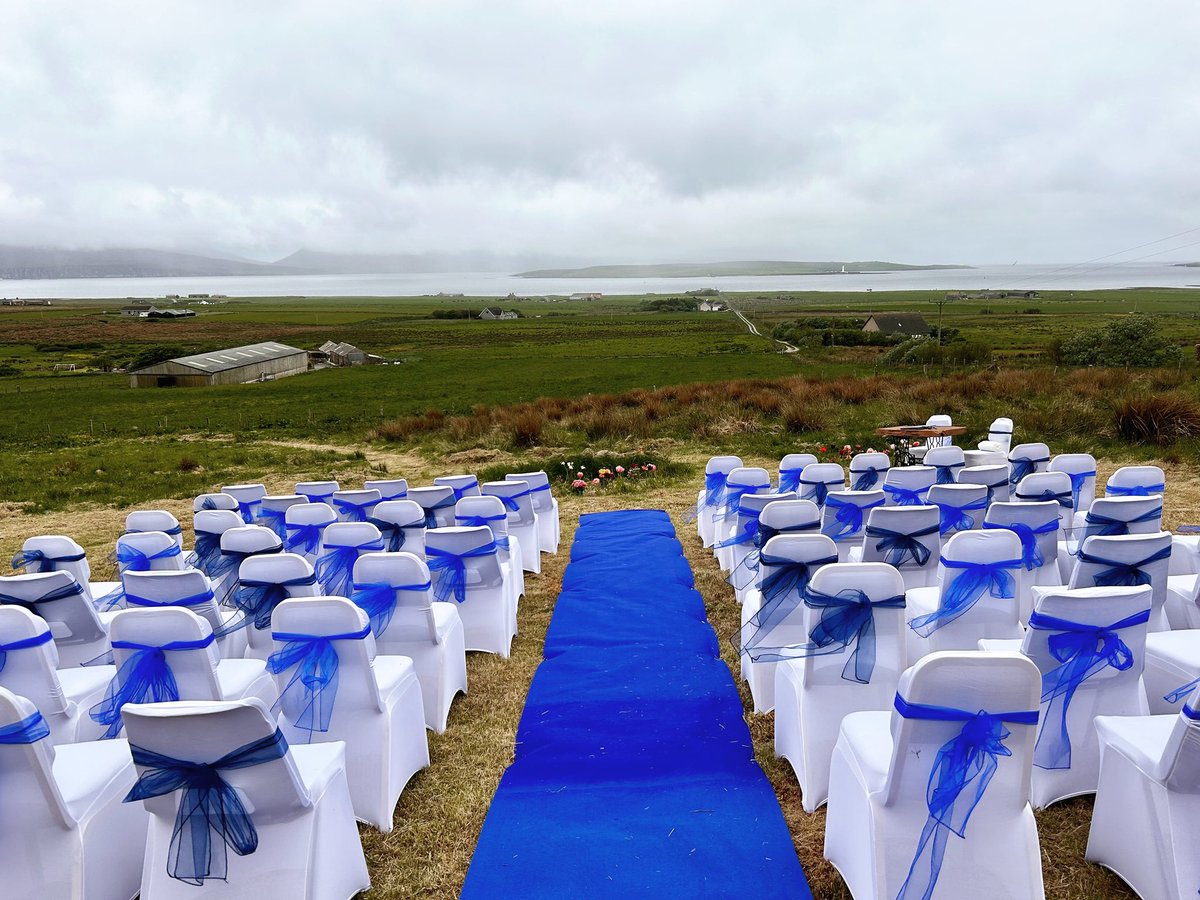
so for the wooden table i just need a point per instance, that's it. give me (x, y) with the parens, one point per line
(921, 431)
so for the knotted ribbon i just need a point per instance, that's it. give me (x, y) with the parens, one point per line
(473, 484)
(1137, 490)
(783, 586)
(961, 771)
(749, 531)
(965, 590)
(820, 490)
(847, 617)
(275, 519)
(257, 601)
(393, 532)
(1062, 498)
(235, 559)
(246, 509)
(902, 496)
(733, 499)
(1078, 480)
(28, 730)
(304, 537)
(488, 521)
(23, 559)
(174, 531)
(453, 569)
(898, 545)
(354, 512)
(750, 562)
(378, 600)
(714, 493)
(1031, 555)
(431, 510)
(310, 694)
(315, 497)
(1098, 524)
(1082, 651)
(847, 519)
(1123, 574)
(1024, 465)
(957, 518)
(399, 495)
(945, 471)
(867, 478)
(789, 480)
(209, 503)
(144, 677)
(131, 559)
(334, 566)
(23, 644)
(209, 807)
(70, 589)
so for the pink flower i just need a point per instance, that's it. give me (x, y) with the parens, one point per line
(595, 481)
(578, 474)
(579, 484)
(620, 470)
(652, 467)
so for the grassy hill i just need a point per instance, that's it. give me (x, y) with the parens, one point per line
(743, 267)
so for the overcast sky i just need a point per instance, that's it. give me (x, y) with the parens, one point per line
(650, 130)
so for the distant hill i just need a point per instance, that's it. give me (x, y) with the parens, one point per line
(749, 267)
(320, 262)
(54, 262)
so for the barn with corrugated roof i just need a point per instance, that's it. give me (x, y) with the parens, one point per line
(238, 365)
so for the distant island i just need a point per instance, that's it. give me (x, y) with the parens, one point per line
(715, 269)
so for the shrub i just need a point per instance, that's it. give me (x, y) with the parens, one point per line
(1157, 418)
(7, 371)
(1132, 340)
(526, 423)
(188, 464)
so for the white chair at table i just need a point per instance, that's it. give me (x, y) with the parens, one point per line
(1147, 809)
(791, 466)
(473, 511)
(30, 670)
(154, 520)
(522, 518)
(886, 767)
(1027, 459)
(1081, 469)
(80, 633)
(777, 517)
(1127, 559)
(272, 511)
(355, 506)
(208, 502)
(59, 553)
(979, 581)
(844, 518)
(867, 470)
(822, 679)
(438, 502)
(296, 797)
(389, 488)
(411, 624)
(909, 485)
(374, 706)
(1037, 527)
(1079, 640)
(260, 580)
(249, 499)
(318, 491)
(708, 500)
(938, 420)
(1000, 435)
(484, 602)
(946, 462)
(546, 507)
(68, 835)
(818, 479)
(776, 618)
(906, 538)
(731, 551)
(306, 524)
(960, 507)
(1172, 670)
(741, 482)
(402, 525)
(994, 478)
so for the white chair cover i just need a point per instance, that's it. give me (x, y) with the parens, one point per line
(905, 537)
(389, 488)
(711, 496)
(1125, 560)
(961, 506)
(1037, 525)
(545, 505)
(844, 518)
(818, 479)
(318, 491)
(204, 502)
(1000, 435)
(1081, 469)
(249, 499)
(305, 524)
(155, 520)
(484, 603)
(1172, 669)
(473, 511)
(517, 497)
(264, 579)
(995, 478)
(59, 553)
(79, 633)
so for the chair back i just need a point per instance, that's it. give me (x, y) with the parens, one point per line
(877, 581)
(539, 485)
(29, 792)
(389, 488)
(742, 481)
(275, 568)
(1123, 515)
(1037, 517)
(905, 484)
(956, 503)
(466, 485)
(208, 525)
(790, 468)
(408, 516)
(1026, 459)
(842, 524)
(787, 624)
(722, 465)
(204, 731)
(510, 492)
(903, 520)
(205, 502)
(438, 499)
(867, 470)
(818, 479)
(250, 539)
(991, 611)
(310, 514)
(1001, 432)
(195, 670)
(72, 618)
(939, 420)
(1043, 486)
(481, 571)
(273, 509)
(30, 671)
(1082, 469)
(413, 618)
(188, 588)
(484, 507)
(994, 477)
(945, 461)
(151, 544)
(302, 519)
(58, 554)
(356, 506)
(1137, 481)
(249, 498)
(154, 520)
(318, 491)
(790, 516)
(1126, 549)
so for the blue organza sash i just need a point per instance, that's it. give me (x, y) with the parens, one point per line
(452, 580)
(28, 730)
(248, 510)
(1137, 490)
(354, 512)
(211, 818)
(131, 559)
(319, 498)
(961, 772)
(144, 677)
(783, 586)
(898, 546)
(1078, 480)
(23, 644)
(257, 601)
(23, 559)
(1031, 554)
(714, 493)
(304, 538)
(991, 489)
(378, 600)
(748, 535)
(448, 502)
(234, 560)
(1062, 498)
(733, 499)
(334, 567)
(191, 600)
(275, 520)
(393, 532)
(865, 479)
(902, 496)
(310, 694)
(747, 570)
(959, 518)
(1022, 466)
(1190, 713)
(71, 589)
(1082, 651)
(789, 480)
(964, 591)
(488, 521)
(206, 555)
(1099, 525)
(820, 490)
(1184, 690)
(473, 484)
(945, 471)
(1123, 574)
(847, 519)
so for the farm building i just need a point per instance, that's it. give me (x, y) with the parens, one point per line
(343, 354)
(909, 324)
(239, 365)
(493, 313)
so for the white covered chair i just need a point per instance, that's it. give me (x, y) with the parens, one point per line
(1125, 561)
(318, 491)
(867, 470)
(342, 543)
(148, 551)
(777, 517)
(1109, 516)
(465, 569)
(844, 518)
(464, 485)
(154, 520)
(939, 420)
(249, 499)
(1041, 487)
(773, 613)
(1037, 527)
(205, 502)
(945, 461)
(741, 482)
(1172, 670)
(994, 478)
(438, 502)
(743, 535)
(522, 518)
(402, 525)
(407, 622)
(28, 668)
(961, 506)
(1147, 810)
(1136, 481)
(710, 497)
(1027, 459)
(818, 479)
(1000, 435)
(830, 673)
(305, 524)
(1081, 469)
(297, 798)
(909, 485)
(882, 834)
(389, 488)
(207, 527)
(905, 537)
(238, 545)
(272, 511)
(166, 654)
(264, 582)
(80, 634)
(474, 511)
(189, 589)
(544, 504)
(373, 704)
(355, 506)
(59, 553)
(790, 469)
(67, 834)
(979, 582)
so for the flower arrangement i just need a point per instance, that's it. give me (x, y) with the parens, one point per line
(898, 451)
(586, 477)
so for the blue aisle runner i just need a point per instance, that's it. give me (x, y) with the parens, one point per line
(634, 772)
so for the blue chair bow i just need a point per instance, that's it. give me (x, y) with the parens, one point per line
(1181, 692)
(393, 532)
(320, 498)
(1098, 524)
(71, 589)
(714, 493)
(1024, 465)
(1136, 490)
(23, 559)
(275, 519)
(208, 503)
(446, 503)
(473, 484)
(820, 490)
(488, 521)
(1062, 498)
(960, 775)
(257, 601)
(452, 567)
(733, 500)
(748, 534)
(1078, 480)
(847, 617)
(945, 471)
(1082, 651)
(378, 600)
(211, 818)
(22, 644)
(144, 677)
(131, 559)
(354, 512)
(867, 478)
(248, 510)
(1123, 574)
(959, 518)
(206, 555)
(789, 480)
(965, 590)
(335, 565)
(747, 570)
(902, 496)
(310, 694)
(897, 546)
(28, 730)
(205, 596)
(783, 586)
(1031, 554)
(304, 538)
(174, 531)
(847, 518)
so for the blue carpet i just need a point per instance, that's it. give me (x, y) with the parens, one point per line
(634, 774)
